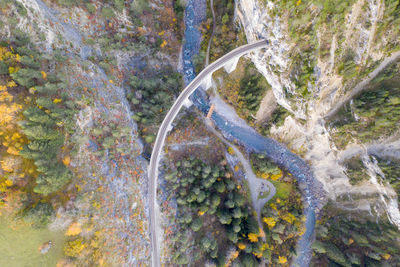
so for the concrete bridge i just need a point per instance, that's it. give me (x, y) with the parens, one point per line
(204, 79)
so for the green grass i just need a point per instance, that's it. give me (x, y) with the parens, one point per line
(19, 245)
(263, 195)
(282, 190)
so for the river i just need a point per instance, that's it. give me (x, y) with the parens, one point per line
(248, 137)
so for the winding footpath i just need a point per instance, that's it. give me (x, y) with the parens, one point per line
(257, 185)
(166, 125)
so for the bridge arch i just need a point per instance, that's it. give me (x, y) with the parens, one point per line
(229, 62)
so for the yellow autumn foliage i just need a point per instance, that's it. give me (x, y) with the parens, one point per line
(164, 43)
(10, 163)
(32, 90)
(236, 168)
(386, 256)
(12, 70)
(264, 246)
(66, 160)
(10, 115)
(15, 136)
(11, 84)
(241, 246)
(253, 237)
(276, 176)
(288, 217)
(5, 97)
(270, 222)
(3, 50)
(235, 255)
(4, 184)
(8, 183)
(8, 112)
(257, 254)
(13, 151)
(282, 259)
(74, 229)
(75, 247)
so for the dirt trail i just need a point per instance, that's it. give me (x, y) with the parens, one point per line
(257, 185)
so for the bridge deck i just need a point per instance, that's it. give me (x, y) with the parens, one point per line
(166, 126)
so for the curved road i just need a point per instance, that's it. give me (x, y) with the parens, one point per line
(166, 124)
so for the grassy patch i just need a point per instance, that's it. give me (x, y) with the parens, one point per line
(391, 170)
(390, 23)
(356, 171)
(19, 244)
(283, 190)
(263, 167)
(263, 195)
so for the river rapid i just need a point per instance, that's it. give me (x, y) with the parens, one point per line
(238, 131)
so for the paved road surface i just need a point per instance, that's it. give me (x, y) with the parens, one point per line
(163, 130)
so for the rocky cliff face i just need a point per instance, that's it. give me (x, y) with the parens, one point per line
(308, 67)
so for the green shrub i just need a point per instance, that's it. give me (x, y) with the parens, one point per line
(91, 8)
(107, 13)
(39, 215)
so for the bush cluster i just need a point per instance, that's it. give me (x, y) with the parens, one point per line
(208, 198)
